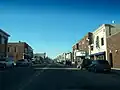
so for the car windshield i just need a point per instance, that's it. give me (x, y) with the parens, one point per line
(102, 62)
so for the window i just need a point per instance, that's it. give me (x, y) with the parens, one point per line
(109, 31)
(97, 42)
(0, 39)
(14, 49)
(83, 42)
(102, 62)
(5, 40)
(8, 49)
(102, 41)
(77, 46)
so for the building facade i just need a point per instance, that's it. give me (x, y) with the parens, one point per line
(98, 45)
(39, 57)
(80, 50)
(3, 43)
(68, 56)
(61, 57)
(19, 50)
(113, 45)
(104, 44)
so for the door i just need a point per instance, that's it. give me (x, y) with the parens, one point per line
(111, 59)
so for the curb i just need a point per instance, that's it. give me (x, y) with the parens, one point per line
(116, 71)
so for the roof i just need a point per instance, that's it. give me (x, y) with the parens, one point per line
(16, 42)
(83, 37)
(4, 32)
(19, 42)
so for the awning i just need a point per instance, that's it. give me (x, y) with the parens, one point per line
(100, 53)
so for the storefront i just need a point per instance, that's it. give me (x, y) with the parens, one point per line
(98, 56)
(80, 55)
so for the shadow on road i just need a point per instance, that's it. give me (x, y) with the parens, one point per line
(11, 78)
(117, 72)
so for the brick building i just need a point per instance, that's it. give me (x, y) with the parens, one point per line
(80, 50)
(19, 50)
(104, 44)
(83, 45)
(113, 46)
(3, 43)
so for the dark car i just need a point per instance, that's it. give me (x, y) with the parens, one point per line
(99, 66)
(69, 63)
(84, 64)
(6, 63)
(22, 62)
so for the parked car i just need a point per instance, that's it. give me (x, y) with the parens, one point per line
(34, 61)
(22, 62)
(68, 63)
(30, 62)
(7, 63)
(99, 66)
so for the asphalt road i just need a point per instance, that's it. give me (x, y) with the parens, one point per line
(56, 77)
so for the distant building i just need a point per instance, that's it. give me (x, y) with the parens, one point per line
(39, 57)
(80, 50)
(43, 55)
(64, 56)
(68, 56)
(61, 57)
(3, 43)
(19, 50)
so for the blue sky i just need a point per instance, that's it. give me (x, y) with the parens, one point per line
(53, 26)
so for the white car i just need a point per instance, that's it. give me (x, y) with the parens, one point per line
(6, 63)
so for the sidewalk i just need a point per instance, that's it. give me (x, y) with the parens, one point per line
(116, 70)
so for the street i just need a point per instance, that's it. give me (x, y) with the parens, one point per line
(56, 77)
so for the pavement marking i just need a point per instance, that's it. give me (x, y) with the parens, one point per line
(25, 84)
(58, 68)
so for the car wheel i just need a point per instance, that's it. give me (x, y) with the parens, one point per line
(80, 67)
(12, 66)
(108, 71)
(89, 69)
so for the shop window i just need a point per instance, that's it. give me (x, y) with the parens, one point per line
(102, 41)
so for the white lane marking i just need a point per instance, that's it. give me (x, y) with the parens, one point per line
(25, 84)
(59, 68)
